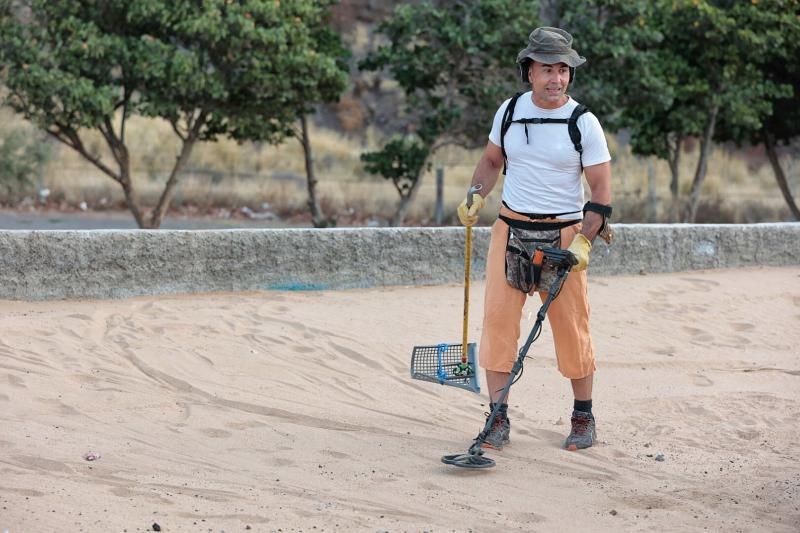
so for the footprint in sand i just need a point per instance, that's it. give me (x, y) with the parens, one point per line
(215, 433)
(698, 335)
(702, 381)
(704, 285)
(742, 326)
(302, 349)
(335, 454)
(664, 350)
(15, 381)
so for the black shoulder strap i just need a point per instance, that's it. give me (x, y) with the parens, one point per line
(508, 117)
(571, 122)
(574, 132)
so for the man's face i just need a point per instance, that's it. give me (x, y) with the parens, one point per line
(549, 83)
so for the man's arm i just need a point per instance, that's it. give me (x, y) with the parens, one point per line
(599, 179)
(488, 168)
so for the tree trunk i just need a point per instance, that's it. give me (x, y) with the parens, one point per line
(130, 198)
(124, 162)
(72, 139)
(702, 164)
(405, 203)
(674, 168)
(157, 216)
(317, 217)
(780, 176)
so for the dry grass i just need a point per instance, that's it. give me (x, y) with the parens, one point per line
(230, 175)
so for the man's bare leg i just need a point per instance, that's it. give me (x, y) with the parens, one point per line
(499, 433)
(581, 388)
(495, 382)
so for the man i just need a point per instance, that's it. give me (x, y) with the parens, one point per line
(543, 163)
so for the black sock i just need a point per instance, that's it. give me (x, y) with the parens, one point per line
(583, 405)
(502, 412)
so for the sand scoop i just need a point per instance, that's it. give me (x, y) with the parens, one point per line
(451, 364)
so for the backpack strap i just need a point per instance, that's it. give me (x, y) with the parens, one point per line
(571, 122)
(508, 118)
(575, 132)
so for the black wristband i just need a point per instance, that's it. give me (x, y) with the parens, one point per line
(601, 209)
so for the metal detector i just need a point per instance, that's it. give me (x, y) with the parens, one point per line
(562, 261)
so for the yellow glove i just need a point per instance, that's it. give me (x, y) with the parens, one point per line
(580, 248)
(469, 215)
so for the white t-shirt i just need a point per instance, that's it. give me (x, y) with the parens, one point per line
(544, 172)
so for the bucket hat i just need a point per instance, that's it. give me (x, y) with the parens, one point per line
(550, 46)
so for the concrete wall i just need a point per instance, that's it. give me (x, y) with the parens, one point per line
(37, 265)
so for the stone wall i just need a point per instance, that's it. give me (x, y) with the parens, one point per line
(39, 265)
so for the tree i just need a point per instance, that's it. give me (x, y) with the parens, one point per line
(727, 41)
(776, 60)
(248, 70)
(783, 126)
(630, 78)
(331, 43)
(682, 67)
(402, 160)
(455, 63)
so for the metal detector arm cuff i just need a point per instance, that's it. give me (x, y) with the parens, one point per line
(605, 232)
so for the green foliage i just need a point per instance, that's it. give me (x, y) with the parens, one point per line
(401, 160)
(455, 62)
(243, 69)
(22, 157)
(670, 69)
(772, 54)
(657, 67)
(252, 66)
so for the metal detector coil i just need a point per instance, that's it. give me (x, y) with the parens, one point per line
(444, 364)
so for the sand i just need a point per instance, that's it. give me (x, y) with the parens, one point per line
(294, 411)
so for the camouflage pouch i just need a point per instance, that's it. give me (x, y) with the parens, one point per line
(526, 266)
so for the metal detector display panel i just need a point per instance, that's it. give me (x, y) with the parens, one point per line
(441, 363)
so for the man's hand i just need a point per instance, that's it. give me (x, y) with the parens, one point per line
(469, 215)
(580, 248)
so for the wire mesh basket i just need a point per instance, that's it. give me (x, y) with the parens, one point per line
(444, 364)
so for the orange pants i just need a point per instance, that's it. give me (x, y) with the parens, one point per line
(568, 313)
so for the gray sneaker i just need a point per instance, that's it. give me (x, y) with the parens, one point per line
(583, 432)
(499, 434)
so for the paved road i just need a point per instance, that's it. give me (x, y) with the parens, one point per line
(53, 220)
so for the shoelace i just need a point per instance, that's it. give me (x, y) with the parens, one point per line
(498, 421)
(580, 425)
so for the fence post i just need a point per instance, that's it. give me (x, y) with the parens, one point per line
(439, 213)
(652, 201)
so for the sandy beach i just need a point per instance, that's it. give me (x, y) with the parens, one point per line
(295, 411)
